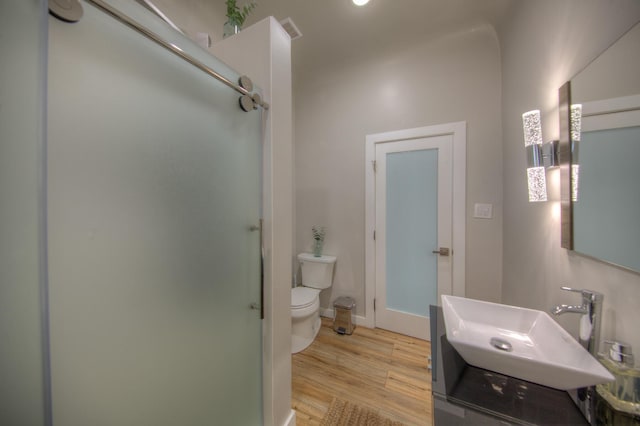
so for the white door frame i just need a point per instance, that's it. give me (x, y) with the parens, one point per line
(459, 152)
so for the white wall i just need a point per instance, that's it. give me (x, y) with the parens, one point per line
(454, 78)
(543, 44)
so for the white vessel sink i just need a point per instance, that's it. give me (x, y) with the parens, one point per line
(519, 342)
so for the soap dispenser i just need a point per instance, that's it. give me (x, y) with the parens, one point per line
(620, 352)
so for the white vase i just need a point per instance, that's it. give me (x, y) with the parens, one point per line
(230, 28)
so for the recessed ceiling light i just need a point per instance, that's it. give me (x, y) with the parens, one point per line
(360, 2)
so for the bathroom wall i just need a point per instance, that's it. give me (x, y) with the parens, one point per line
(543, 44)
(454, 78)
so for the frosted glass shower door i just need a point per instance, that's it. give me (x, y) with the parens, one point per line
(154, 177)
(23, 352)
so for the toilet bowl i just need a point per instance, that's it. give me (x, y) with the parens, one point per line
(305, 317)
(317, 274)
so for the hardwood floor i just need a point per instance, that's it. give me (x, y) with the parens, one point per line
(374, 368)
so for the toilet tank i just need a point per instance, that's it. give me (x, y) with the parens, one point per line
(317, 272)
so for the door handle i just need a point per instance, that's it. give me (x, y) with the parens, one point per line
(444, 251)
(260, 306)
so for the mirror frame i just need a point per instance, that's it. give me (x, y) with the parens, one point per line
(564, 154)
(565, 157)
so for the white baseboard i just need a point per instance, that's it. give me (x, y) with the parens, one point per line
(291, 420)
(357, 319)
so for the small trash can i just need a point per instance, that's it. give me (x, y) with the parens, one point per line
(342, 307)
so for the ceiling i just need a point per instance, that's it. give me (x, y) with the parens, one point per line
(335, 31)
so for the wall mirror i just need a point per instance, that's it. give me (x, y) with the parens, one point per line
(600, 156)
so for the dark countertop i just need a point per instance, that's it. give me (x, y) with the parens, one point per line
(504, 397)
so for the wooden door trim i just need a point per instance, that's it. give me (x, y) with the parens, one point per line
(458, 131)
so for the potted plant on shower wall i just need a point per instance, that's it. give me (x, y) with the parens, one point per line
(236, 17)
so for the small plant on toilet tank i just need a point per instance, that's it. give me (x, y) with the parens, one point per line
(318, 239)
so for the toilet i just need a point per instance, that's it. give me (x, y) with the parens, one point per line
(317, 274)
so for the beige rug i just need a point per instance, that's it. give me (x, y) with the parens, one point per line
(345, 413)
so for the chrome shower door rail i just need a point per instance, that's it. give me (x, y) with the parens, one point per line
(100, 4)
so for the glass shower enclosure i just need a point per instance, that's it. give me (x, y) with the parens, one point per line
(151, 232)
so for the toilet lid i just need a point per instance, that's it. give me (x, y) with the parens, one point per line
(301, 297)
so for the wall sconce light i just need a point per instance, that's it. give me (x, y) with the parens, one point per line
(540, 156)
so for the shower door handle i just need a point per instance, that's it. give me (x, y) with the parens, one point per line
(260, 306)
(444, 251)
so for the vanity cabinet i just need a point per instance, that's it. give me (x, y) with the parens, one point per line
(466, 395)
(449, 414)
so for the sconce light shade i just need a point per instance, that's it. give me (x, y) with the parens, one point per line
(532, 128)
(536, 175)
(537, 180)
(576, 130)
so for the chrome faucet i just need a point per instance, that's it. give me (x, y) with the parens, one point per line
(563, 309)
(589, 338)
(591, 308)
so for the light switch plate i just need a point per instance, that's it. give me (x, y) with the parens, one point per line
(483, 211)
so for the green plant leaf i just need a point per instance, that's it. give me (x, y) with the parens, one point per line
(235, 14)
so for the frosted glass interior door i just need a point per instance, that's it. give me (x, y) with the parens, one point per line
(153, 185)
(413, 219)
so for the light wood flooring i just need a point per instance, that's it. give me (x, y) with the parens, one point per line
(374, 368)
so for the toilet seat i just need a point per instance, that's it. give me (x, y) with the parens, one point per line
(303, 297)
